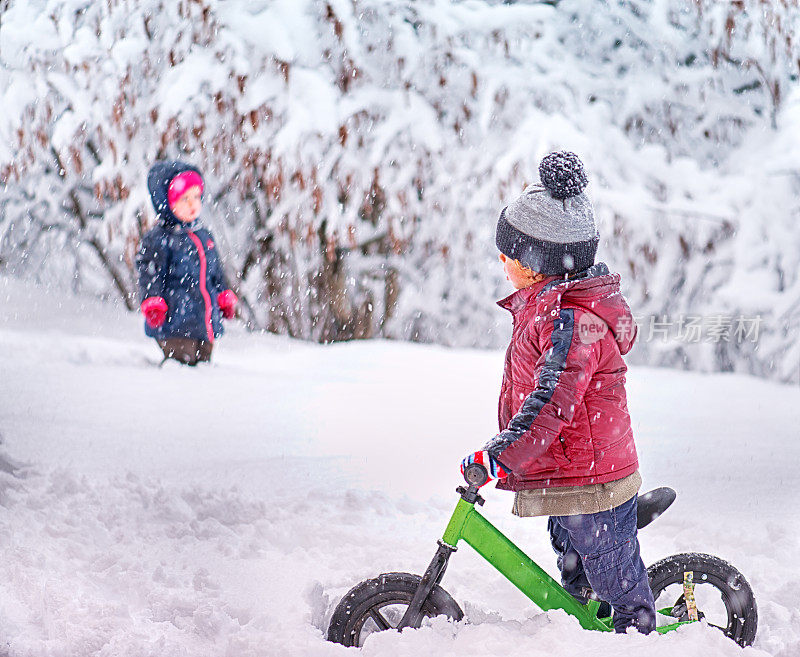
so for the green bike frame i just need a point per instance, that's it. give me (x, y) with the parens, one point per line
(468, 525)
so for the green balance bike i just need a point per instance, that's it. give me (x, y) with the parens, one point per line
(687, 587)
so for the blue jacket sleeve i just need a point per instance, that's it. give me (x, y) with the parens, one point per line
(218, 279)
(152, 262)
(216, 273)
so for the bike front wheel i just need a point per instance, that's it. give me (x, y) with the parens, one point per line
(724, 598)
(378, 604)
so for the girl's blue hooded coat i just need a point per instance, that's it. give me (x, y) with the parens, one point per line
(179, 262)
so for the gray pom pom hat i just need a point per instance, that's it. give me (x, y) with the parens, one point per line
(550, 227)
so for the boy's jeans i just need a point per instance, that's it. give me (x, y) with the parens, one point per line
(601, 551)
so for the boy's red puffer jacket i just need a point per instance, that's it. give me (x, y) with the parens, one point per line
(563, 410)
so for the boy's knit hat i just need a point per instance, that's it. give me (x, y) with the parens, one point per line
(550, 227)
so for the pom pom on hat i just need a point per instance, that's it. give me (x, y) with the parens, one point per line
(562, 174)
(181, 184)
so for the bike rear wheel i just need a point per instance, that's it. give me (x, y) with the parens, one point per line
(378, 604)
(724, 598)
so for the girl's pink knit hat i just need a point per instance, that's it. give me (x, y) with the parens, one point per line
(181, 184)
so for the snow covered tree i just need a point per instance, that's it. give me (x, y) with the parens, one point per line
(357, 153)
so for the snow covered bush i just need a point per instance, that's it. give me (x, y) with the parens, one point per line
(358, 153)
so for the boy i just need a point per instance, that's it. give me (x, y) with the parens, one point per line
(181, 283)
(565, 444)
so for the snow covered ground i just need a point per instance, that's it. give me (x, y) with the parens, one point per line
(224, 510)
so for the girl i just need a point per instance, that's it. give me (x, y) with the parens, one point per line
(181, 284)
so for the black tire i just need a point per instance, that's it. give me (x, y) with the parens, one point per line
(709, 571)
(367, 605)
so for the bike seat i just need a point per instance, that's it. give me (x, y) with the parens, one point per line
(652, 504)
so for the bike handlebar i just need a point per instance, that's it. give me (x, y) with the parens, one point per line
(476, 475)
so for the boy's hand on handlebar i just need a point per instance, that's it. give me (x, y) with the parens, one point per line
(493, 468)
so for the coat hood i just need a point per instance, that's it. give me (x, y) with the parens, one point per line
(158, 180)
(595, 290)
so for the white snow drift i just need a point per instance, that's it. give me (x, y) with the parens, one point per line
(224, 510)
